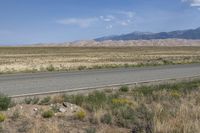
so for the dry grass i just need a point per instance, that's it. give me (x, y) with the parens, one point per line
(167, 108)
(32, 59)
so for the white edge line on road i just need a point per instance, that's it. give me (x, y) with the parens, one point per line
(103, 86)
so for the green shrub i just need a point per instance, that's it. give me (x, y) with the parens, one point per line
(126, 65)
(2, 117)
(47, 114)
(97, 67)
(50, 68)
(124, 116)
(35, 100)
(106, 119)
(28, 100)
(145, 90)
(55, 108)
(78, 99)
(96, 100)
(183, 87)
(5, 101)
(82, 67)
(75, 99)
(45, 101)
(124, 88)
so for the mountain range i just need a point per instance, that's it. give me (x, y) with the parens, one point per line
(179, 34)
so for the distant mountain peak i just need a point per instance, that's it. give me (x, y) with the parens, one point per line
(179, 34)
(198, 28)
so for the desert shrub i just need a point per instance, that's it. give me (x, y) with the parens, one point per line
(139, 119)
(124, 88)
(126, 65)
(145, 90)
(5, 101)
(58, 99)
(80, 115)
(50, 68)
(55, 108)
(78, 99)
(148, 90)
(94, 119)
(187, 87)
(45, 100)
(15, 114)
(25, 126)
(35, 100)
(82, 67)
(166, 62)
(28, 100)
(2, 117)
(90, 130)
(183, 87)
(96, 100)
(47, 114)
(106, 118)
(97, 67)
(108, 90)
(12, 104)
(121, 101)
(124, 116)
(175, 94)
(144, 122)
(75, 99)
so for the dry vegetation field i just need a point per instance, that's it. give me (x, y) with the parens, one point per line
(32, 59)
(164, 108)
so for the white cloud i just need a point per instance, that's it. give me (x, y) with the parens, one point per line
(109, 26)
(193, 3)
(114, 19)
(129, 14)
(123, 23)
(81, 22)
(107, 18)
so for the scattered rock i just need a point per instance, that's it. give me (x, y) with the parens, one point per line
(62, 110)
(65, 104)
(35, 109)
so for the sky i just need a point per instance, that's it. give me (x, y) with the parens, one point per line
(55, 21)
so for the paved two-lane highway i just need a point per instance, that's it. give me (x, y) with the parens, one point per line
(17, 84)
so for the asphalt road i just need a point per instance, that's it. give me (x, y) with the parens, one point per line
(17, 84)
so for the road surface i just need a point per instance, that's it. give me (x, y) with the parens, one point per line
(17, 84)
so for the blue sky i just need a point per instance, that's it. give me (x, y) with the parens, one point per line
(46, 21)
